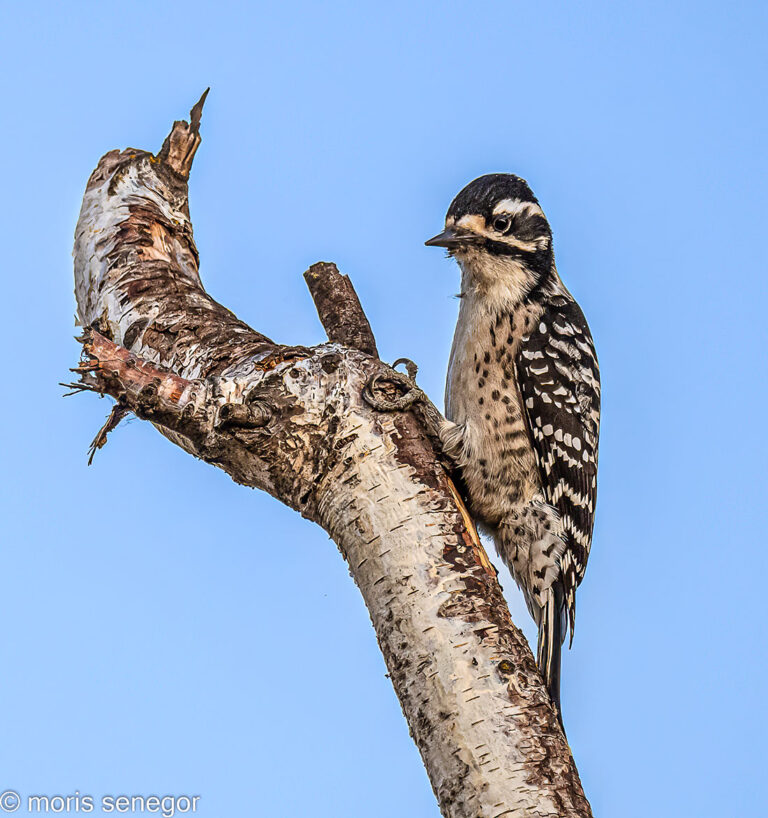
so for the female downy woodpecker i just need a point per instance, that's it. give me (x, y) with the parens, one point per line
(523, 402)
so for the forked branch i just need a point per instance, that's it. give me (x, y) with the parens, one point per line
(345, 440)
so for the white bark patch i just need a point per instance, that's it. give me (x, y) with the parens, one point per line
(392, 530)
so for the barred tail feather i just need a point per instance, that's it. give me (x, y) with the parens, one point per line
(552, 629)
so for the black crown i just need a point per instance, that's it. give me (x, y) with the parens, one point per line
(484, 193)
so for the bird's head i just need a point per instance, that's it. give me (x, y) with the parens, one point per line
(499, 235)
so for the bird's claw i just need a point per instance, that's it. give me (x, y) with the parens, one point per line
(410, 368)
(391, 391)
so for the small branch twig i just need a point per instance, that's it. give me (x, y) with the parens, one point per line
(339, 308)
(149, 392)
(119, 411)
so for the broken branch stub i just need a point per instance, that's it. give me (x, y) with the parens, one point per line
(339, 308)
(294, 421)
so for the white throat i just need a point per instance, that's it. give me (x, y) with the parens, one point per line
(494, 283)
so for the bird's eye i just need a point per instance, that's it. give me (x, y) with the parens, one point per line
(502, 223)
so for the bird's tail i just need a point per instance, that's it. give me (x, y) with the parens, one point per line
(552, 628)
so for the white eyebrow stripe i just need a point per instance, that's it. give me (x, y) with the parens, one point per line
(512, 207)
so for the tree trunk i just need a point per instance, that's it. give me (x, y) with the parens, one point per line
(346, 441)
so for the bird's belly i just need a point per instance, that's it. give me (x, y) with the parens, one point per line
(498, 462)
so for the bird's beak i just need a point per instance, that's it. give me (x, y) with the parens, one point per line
(451, 238)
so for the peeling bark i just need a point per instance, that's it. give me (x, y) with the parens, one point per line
(342, 438)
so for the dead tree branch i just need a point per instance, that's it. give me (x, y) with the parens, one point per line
(296, 422)
(339, 308)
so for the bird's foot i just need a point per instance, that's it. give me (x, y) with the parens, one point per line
(393, 391)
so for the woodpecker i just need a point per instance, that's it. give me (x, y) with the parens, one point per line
(523, 402)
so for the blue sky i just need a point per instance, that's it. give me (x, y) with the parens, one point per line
(166, 631)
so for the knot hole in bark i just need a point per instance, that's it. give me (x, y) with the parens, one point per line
(253, 415)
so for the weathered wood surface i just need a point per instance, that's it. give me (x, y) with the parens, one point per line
(299, 423)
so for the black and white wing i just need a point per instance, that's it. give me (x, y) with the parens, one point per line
(560, 387)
